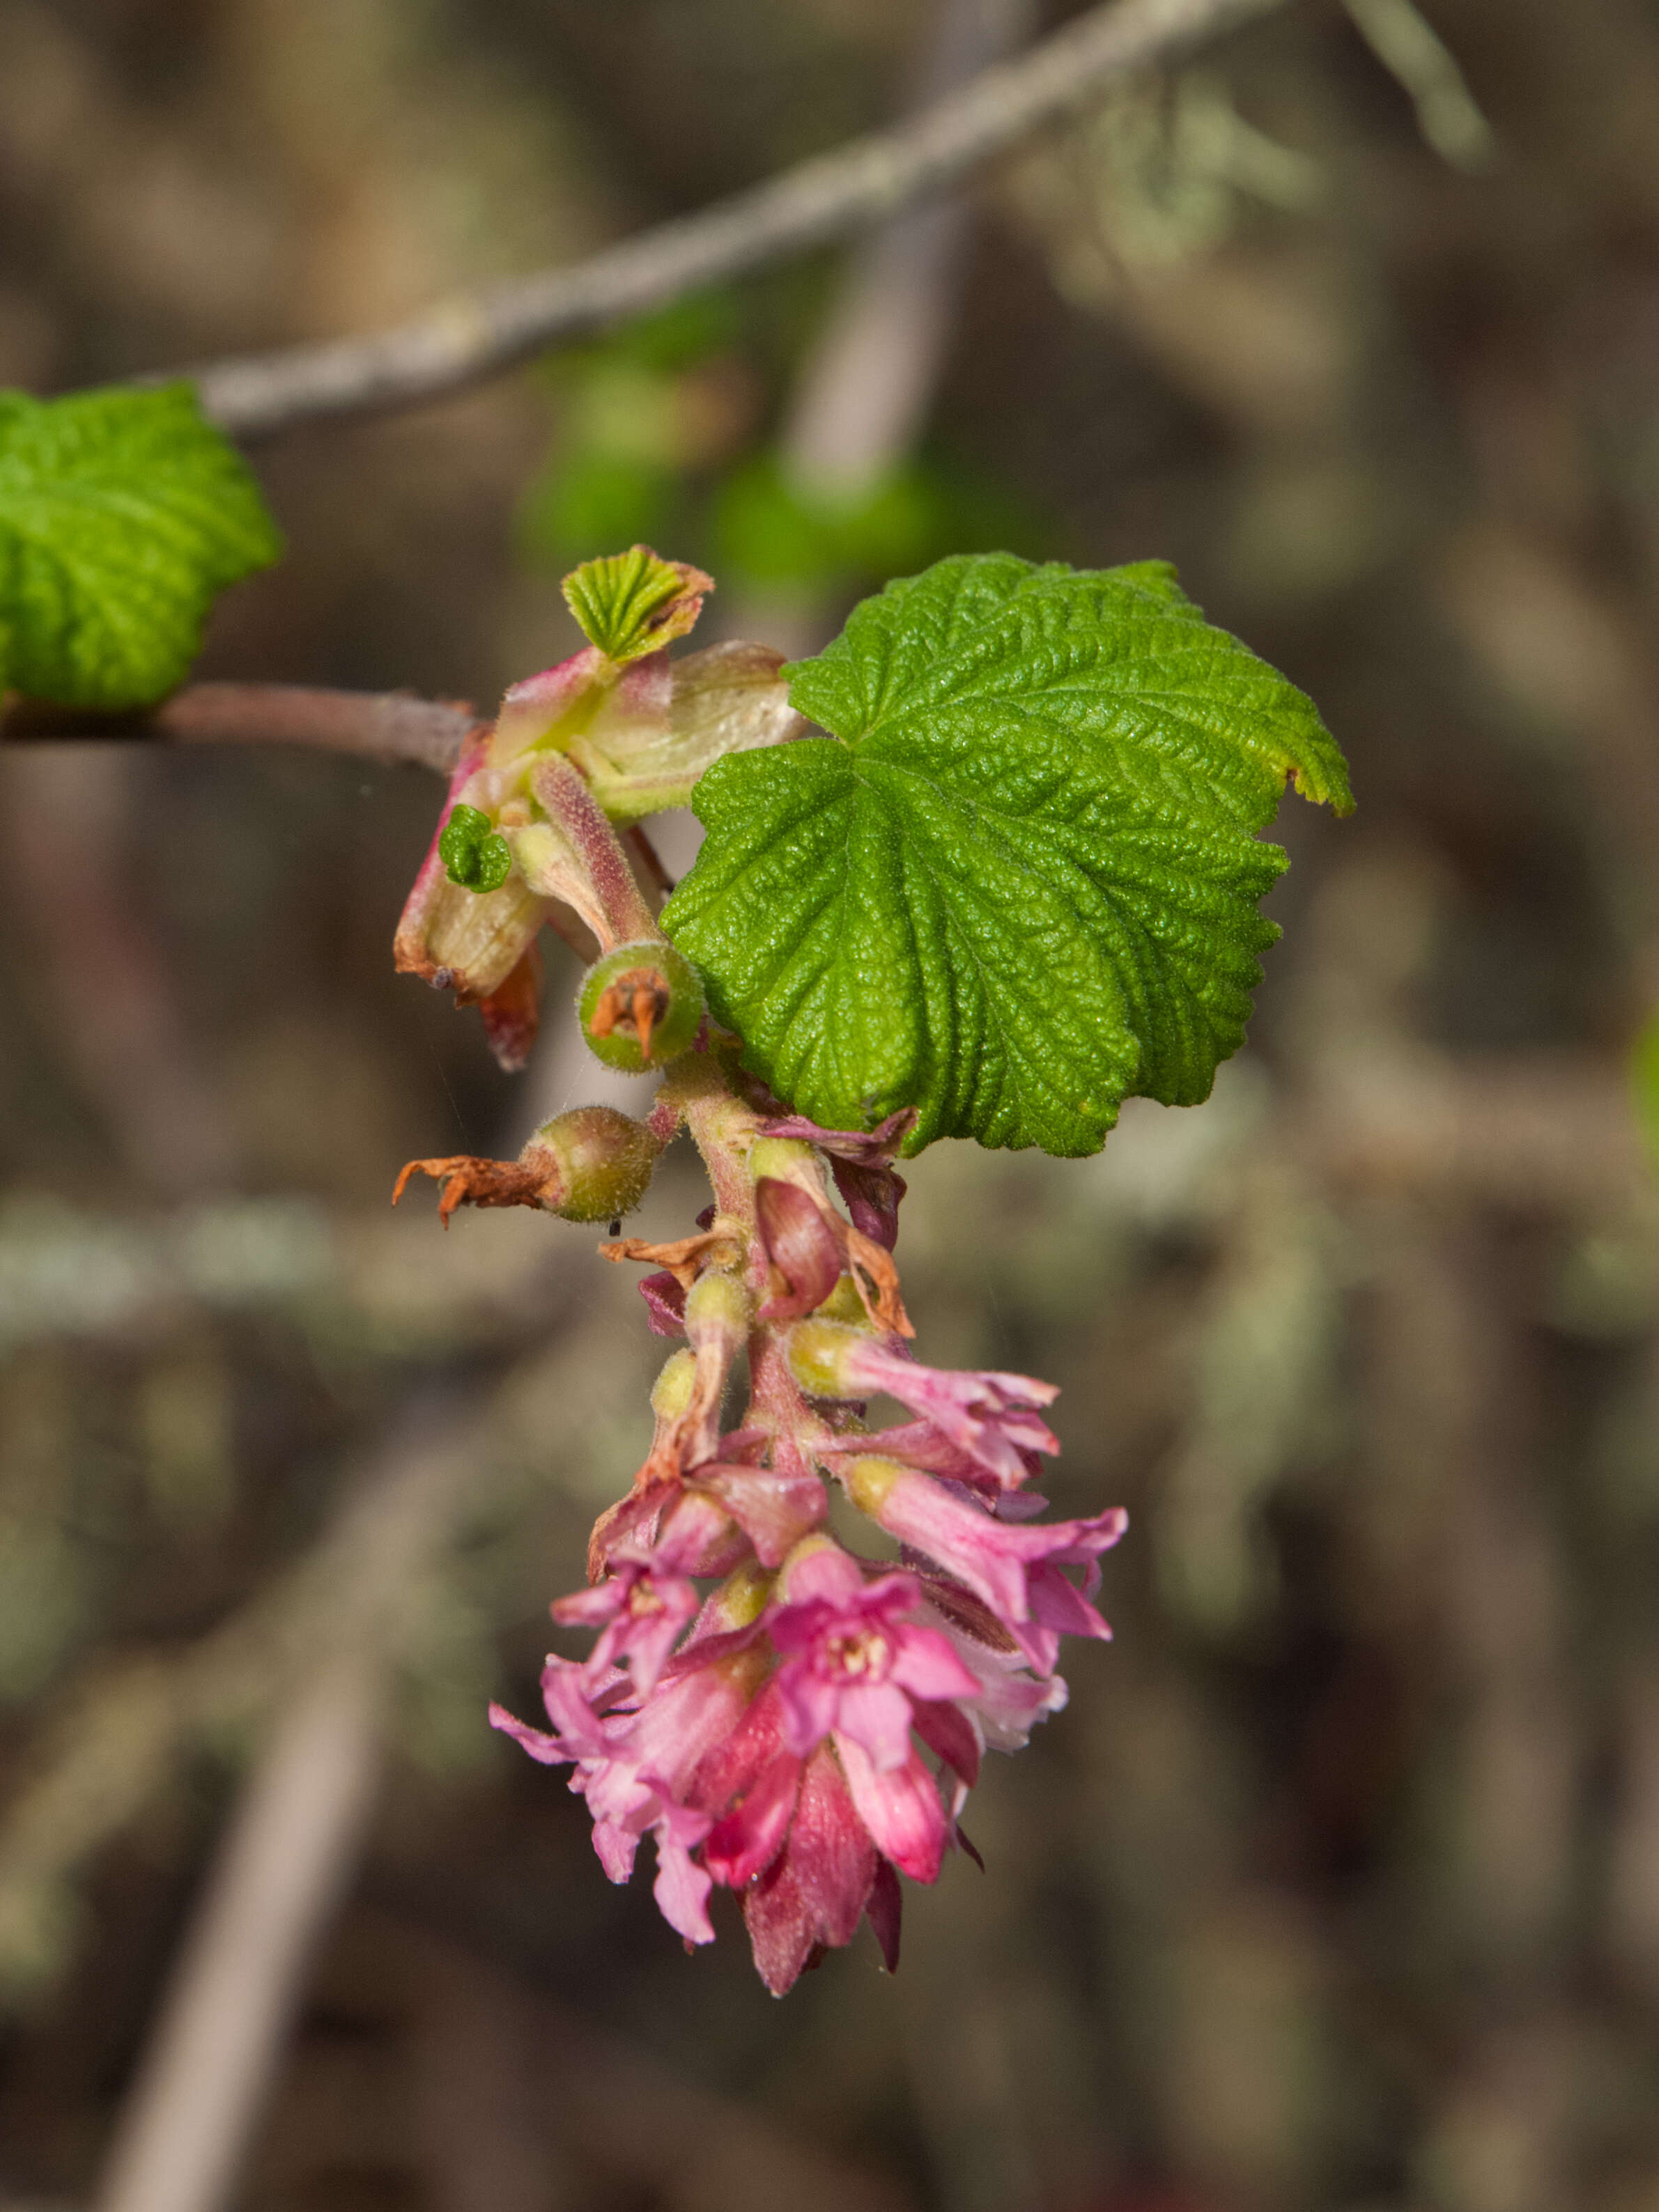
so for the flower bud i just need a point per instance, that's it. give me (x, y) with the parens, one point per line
(640, 1005)
(868, 1480)
(788, 1160)
(671, 1394)
(718, 1306)
(741, 1598)
(821, 1355)
(799, 1244)
(597, 1163)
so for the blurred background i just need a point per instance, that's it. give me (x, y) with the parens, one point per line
(1338, 1884)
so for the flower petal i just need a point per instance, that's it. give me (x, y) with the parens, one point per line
(928, 1666)
(549, 1750)
(815, 1890)
(877, 1716)
(901, 1809)
(750, 1837)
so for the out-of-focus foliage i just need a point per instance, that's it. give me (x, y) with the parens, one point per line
(1334, 1887)
(122, 514)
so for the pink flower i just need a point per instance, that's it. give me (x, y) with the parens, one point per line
(811, 1897)
(991, 1418)
(853, 1662)
(1015, 1569)
(632, 1766)
(639, 1609)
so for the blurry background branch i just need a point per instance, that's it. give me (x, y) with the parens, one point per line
(386, 726)
(816, 201)
(290, 1850)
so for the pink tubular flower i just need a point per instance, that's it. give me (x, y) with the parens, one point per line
(1014, 1568)
(632, 1766)
(853, 1662)
(991, 1418)
(641, 1610)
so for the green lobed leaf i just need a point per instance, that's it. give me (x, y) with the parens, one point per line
(122, 513)
(1018, 880)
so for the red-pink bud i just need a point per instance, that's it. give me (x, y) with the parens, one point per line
(801, 1247)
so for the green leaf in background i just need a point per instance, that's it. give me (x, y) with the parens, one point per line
(1644, 1073)
(1018, 882)
(122, 513)
(596, 498)
(767, 532)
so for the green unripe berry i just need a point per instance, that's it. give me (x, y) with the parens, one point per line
(640, 1005)
(597, 1163)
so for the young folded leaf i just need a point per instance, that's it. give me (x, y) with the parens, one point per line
(1018, 881)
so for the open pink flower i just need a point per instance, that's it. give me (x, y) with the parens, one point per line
(632, 1765)
(852, 1662)
(639, 1610)
(1000, 1562)
(991, 1418)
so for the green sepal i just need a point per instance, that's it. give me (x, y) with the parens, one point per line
(122, 513)
(474, 853)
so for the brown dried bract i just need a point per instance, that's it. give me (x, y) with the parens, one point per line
(685, 1259)
(468, 1180)
(631, 1519)
(876, 1274)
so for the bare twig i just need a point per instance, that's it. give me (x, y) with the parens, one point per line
(387, 725)
(291, 1848)
(826, 197)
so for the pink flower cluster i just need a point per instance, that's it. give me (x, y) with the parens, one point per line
(806, 1726)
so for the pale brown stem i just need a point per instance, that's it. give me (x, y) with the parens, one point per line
(291, 1848)
(825, 197)
(388, 726)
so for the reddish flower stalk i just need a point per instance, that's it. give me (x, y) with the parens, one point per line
(808, 1728)
(813, 1732)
